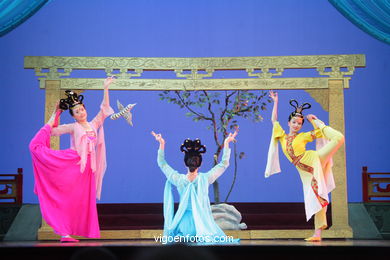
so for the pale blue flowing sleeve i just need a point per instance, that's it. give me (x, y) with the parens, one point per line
(172, 175)
(220, 168)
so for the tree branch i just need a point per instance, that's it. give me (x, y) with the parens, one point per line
(227, 97)
(212, 119)
(189, 108)
(225, 123)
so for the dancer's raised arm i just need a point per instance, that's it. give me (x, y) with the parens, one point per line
(172, 175)
(230, 138)
(159, 139)
(57, 130)
(107, 83)
(311, 119)
(220, 168)
(274, 96)
(53, 120)
(105, 109)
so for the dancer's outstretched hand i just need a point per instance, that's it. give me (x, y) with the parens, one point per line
(108, 81)
(158, 137)
(57, 107)
(273, 95)
(231, 137)
(56, 113)
(311, 117)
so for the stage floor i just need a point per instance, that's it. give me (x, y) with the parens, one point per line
(243, 242)
(246, 249)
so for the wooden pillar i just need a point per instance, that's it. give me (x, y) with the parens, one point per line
(339, 195)
(52, 95)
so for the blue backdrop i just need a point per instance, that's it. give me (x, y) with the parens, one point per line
(200, 28)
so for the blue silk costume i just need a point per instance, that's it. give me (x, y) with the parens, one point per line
(193, 217)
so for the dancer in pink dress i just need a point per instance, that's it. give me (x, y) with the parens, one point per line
(68, 182)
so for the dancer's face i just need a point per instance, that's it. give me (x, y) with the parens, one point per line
(295, 124)
(79, 113)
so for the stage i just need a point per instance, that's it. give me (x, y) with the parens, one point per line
(248, 249)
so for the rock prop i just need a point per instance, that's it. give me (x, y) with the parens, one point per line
(227, 217)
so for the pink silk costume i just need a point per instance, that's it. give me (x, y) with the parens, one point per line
(68, 182)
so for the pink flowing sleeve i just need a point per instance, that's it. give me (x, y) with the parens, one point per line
(101, 164)
(104, 112)
(62, 129)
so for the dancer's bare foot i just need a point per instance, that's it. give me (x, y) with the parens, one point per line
(316, 237)
(313, 239)
(68, 239)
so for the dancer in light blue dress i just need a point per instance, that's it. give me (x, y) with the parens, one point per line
(193, 220)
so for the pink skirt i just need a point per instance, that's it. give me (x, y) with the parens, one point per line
(67, 197)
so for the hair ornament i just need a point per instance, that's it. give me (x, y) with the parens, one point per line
(299, 109)
(193, 150)
(193, 146)
(71, 101)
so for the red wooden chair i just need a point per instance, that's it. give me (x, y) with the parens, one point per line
(11, 188)
(376, 186)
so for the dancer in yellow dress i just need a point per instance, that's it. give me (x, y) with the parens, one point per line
(314, 167)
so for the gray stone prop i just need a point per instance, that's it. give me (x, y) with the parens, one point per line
(227, 217)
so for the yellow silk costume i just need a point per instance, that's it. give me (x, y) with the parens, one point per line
(314, 167)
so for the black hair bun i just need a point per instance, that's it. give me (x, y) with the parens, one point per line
(63, 104)
(72, 100)
(193, 150)
(193, 146)
(299, 109)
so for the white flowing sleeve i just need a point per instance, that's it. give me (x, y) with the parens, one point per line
(220, 168)
(273, 164)
(172, 175)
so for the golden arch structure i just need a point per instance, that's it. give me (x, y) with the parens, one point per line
(327, 88)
